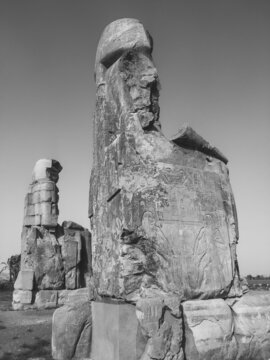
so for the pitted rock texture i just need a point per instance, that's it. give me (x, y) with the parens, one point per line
(162, 214)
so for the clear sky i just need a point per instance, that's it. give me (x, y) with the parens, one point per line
(213, 58)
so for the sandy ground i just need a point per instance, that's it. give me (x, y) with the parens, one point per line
(24, 334)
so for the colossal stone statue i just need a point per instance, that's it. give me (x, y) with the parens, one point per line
(53, 257)
(162, 212)
(164, 229)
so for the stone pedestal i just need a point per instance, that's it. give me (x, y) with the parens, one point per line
(115, 332)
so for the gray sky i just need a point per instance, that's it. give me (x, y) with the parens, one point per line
(213, 58)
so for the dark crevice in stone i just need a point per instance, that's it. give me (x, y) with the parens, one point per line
(183, 332)
(130, 237)
(113, 195)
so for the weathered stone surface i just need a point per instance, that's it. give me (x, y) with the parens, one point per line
(41, 201)
(252, 326)
(25, 280)
(73, 296)
(46, 299)
(162, 215)
(72, 225)
(161, 328)
(41, 252)
(119, 36)
(21, 298)
(71, 332)
(209, 330)
(46, 169)
(116, 333)
(77, 254)
(188, 138)
(71, 254)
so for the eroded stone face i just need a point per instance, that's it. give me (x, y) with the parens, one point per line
(118, 37)
(162, 214)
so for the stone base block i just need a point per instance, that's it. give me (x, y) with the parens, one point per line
(21, 299)
(72, 296)
(252, 326)
(114, 334)
(71, 332)
(25, 280)
(209, 328)
(46, 299)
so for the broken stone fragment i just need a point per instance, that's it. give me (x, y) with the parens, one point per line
(21, 299)
(209, 330)
(25, 280)
(188, 138)
(72, 225)
(73, 296)
(118, 37)
(46, 299)
(41, 202)
(46, 169)
(71, 331)
(252, 326)
(161, 327)
(41, 253)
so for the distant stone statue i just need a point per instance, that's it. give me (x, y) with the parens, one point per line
(53, 257)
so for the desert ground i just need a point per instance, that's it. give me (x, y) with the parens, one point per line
(24, 334)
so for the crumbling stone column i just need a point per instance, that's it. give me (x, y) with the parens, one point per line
(53, 257)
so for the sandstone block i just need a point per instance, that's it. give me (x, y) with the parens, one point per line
(78, 295)
(209, 329)
(71, 279)
(46, 299)
(41, 253)
(252, 326)
(161, 328)
(116, 335)
(73, 296)
(63, 296)
(25, 280)
(29, 210)
(71, 332)
(72, 225)
(21, 298)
